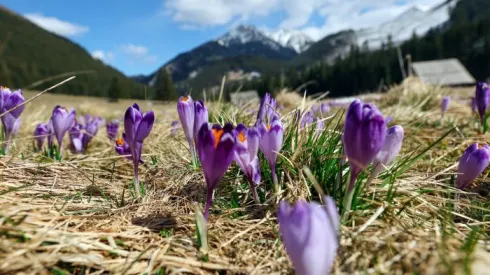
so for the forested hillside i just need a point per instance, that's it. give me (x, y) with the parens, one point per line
(29, 53)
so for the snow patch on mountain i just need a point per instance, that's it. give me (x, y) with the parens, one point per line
(293, 39)
(243, 34)
(402, 27)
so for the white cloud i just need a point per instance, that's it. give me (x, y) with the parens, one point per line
(335, 14)
(58, 26)
(103, 56)
(138, 53)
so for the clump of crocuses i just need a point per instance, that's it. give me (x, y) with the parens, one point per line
(137, 127)
(472, 163)
(112, 129)
(215, 149)
(11, 106)
(363, 137)
(246, 149)
(309, 234)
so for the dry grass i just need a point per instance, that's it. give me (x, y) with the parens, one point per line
(68, 217)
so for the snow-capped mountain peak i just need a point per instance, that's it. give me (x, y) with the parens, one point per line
(293, 39)
(243, 34)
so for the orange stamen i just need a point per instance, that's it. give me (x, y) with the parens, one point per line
(120, 141)
(241, 137)
(3, 87)
(268, 126)
(217, 136)
(185, 98)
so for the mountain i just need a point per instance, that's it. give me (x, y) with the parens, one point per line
(228, 52)
(293, 39)
(248, 49)
(402, 27)
(31, 54)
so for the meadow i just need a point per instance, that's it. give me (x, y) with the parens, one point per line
(81, 216)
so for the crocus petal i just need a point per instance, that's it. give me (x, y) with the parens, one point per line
(201, 116)
(14, 99)
(391, 148)
(308, 232)
(77, 145)
(255, 169)
(145, 126)
(271, 140)
(482, 97)
(185, 110)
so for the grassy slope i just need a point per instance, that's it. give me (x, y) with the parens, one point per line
(70, 216)
(31, 54)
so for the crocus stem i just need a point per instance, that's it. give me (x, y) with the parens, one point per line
(6, 143)
(254, 191)
(193, 152)
(274, 180)
(350, 192)
(209, 199)
(136, 180)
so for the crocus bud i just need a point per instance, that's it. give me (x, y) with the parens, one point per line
(364, 136)
(307, 119)
(324, 108)
(201, 116)
(215, 148)
(445, 104)
(137, 126)
(482, 97)
(50, 135)
(309, 234)
(112, 129)
(62, 122)
(246, 149)
(271, 136)
(391, 148)
(76, 136)
(40, 134)
(472, 163)
(320, 125)
(185, 109)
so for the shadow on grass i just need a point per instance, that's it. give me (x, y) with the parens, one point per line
(155, 222)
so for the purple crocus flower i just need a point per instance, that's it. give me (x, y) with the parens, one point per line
(364, 136)
(482, 97)
(112, 129)
(76, 137)
(472, 163)
(246, 149)
(137, 126)
(174, 127)
(445, 104)
(267, 110)
(91, 128)
(215, 148)
(270, 144)
(391, 148)
(324, 109)
(8, 101)
(40, 134)
(122, 148)
(320, 125)
(307, 119)
(201, 116)
(309, 234)
(185, 108)
(62, 122)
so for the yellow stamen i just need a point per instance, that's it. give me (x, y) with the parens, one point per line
(217, 136)
(268, 126)
(241, 137)
(120, 142)
(3, 87)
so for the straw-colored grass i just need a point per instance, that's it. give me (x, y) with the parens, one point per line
(69, 218)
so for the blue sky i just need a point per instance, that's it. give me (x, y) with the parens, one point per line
(139, 38)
